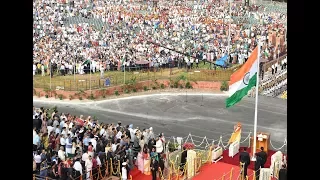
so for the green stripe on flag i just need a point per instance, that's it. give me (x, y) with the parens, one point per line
(238, 95)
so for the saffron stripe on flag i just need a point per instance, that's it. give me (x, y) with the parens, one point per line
(239, 74)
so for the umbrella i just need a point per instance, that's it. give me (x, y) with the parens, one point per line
(142, 62)
(86, 62)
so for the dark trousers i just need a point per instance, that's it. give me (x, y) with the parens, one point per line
(35, 147)
(38, 167)
(154, 174)
(245, 169)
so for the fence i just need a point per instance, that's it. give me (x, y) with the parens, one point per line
(68, 83)
(99, 173)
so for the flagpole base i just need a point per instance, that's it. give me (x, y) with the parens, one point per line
(253, 158)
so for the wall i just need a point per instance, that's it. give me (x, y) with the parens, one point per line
(207, 85)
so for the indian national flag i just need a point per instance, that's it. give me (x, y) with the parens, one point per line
(243, 79)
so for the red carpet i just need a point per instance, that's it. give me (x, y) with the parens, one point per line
(235, 159)
(216, 170)
(137, 175)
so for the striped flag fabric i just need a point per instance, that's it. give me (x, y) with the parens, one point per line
(243, 79)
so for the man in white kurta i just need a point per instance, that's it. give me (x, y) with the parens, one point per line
(124, 175)
(88, 164)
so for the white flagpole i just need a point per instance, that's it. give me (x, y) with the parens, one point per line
(256, 109)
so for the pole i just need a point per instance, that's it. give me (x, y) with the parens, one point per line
(50, 74)
(90, 75)
(256, 110)
(229, 37)
(124, 73)
(74, 70)
(202, 101)
(186, 97)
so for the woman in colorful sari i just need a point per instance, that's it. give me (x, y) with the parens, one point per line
(140, 162)
(146, 160)
(45, 140)
(154, 154)
(52, 140)
(57, 142)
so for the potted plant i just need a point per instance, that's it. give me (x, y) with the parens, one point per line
(173, 146)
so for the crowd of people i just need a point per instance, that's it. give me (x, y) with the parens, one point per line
(276, 83)
(67, 147)
(138, 30)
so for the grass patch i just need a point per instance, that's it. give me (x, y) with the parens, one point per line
(75, 83)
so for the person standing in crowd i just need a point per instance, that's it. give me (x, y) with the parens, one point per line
(283, 172)
(78, 168)
(154, 168)
(264, 157)
(124, 173)
(34, 69)
(183, 159)
(257, 165)
(245, 158)
(88, 165)
(42, 70)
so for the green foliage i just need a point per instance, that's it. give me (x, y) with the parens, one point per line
(224, 86)
(91, 96)
(134, 90)
(60, 96)
(116, 92)
(188, 85)
(145, 88)
(103, 92)
(127, 91)
(162, 86)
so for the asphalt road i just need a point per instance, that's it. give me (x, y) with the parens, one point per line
(179, 115)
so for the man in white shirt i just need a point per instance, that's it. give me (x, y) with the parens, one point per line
(159, 145)
(94, 142)
(34, 69)
(78, 167)
(37, 159)
(50, 129)
(61, 154)
(85, 156)
(124, 171)
(88, 165)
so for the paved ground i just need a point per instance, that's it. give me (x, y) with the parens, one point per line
(202, 114)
